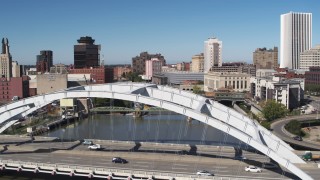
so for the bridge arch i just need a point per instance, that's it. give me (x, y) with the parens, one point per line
(185, 103)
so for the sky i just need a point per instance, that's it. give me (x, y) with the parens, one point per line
(124, 28)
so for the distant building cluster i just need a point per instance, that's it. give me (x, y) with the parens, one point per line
(45, 77)
(264, 79)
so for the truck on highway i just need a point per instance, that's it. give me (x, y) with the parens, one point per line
(308, 156)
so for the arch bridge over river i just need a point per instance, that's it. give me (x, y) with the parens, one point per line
(197, 107)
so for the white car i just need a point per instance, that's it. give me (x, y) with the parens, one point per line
(94, 147)
(204, 173)
(252, 169)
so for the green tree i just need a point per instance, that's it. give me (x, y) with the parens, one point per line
(294, 127)
(273, 110)
(196, 89)
(134, 77)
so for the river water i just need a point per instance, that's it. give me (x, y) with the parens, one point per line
(161, 127)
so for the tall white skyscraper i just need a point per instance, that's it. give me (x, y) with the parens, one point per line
(212, 53)
(296, 37)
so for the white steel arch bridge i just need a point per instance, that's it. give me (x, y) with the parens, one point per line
(186, 103)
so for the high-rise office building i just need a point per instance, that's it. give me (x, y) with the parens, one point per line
(5, 60)
(296, 37)
(212, 53)
(264, 58)
(86, 53)
(44, 61)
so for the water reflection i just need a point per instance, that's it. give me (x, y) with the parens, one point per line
(164, 128)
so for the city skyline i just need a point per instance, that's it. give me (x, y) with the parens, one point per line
(176, 29)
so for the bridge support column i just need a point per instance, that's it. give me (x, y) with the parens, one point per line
(129, 177)
(90, 175)
(54, 172)
(71, 173)
(36, 170)
(19, 169)
(238, 152)
(138, 107)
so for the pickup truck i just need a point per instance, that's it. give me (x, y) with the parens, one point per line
(95, 147)
(308, 156)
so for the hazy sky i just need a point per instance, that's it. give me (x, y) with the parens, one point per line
(175, 28)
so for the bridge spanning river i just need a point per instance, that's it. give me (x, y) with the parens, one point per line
(247, 133)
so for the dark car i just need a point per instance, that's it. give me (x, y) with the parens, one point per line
(297, 138)
(119, 160)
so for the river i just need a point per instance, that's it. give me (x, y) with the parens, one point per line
(161, 127)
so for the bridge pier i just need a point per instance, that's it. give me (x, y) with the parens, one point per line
(238, 152)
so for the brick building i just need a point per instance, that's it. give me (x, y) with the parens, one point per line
(119, 70)
(98, 75)
(264, 58)
(312, 77)
(15, 86)
(44, 61)
(139, 62)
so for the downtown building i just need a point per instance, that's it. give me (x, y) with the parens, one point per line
(5, 60)
(289, 92)
(296, 37)
(87, 62)
(239, 67)
(153, 67)
(86, 53)
(197, 63)
(215, 81)
(264, 58)
(11, 88)
(212, 53)
(310, 58)
(44, 61)
(139, 62)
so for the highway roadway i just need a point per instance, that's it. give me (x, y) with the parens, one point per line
(279, 130)
(179, 159)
